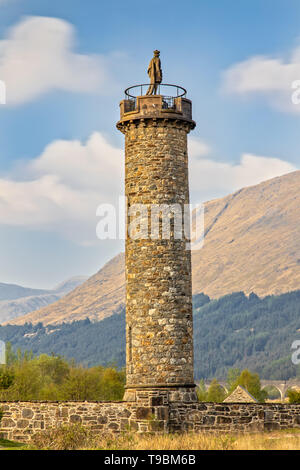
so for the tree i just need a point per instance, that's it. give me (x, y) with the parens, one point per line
(216, 392)
(11, 357)
(81, 384)
(53, 368)
(201, 391)
(7, 377)
(27, 383)
(232, 377)
(250, 381)
(111, 383)
(293, 395)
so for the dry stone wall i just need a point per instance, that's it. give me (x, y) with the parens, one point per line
(233, 417)
(21, 420)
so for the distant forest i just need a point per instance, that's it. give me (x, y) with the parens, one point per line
(233, 331)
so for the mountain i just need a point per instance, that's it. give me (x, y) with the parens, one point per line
(252, 244)
(16, 301)
(13, 291)
(70, 284)
(234, 331)
(252, 241)
(100, 296)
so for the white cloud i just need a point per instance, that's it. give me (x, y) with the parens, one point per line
(269, 76)
(210, 178)
(60, 189)
(37, 56)
(197, 147)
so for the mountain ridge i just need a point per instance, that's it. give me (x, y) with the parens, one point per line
(17, 300)
(234, 331)
(252, 244)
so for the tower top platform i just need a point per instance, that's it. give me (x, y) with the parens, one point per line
(169, 103)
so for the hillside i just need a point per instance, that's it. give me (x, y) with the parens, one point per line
(233, 331)
(16, 300)
(13, 291)
(99, 297)
(252, 241)
(252, 244)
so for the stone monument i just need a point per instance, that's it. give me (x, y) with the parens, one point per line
(155, 73)
(159, 321)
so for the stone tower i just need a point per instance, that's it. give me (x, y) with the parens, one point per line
(159, 322)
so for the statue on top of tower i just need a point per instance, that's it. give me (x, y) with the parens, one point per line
(155, 74)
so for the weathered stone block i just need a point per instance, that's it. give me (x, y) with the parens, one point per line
(113, 426)
(271, 426)
(162, 413)
(75, 419)
(156, 401)
(209, 420)
(22, 423)
(102, 419)
(27, 413)
(223, 419)
(156, 425)
(144, 413)
(133, 425)
(63, 412)
(7, 423)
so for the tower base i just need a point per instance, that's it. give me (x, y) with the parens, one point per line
(152, 395)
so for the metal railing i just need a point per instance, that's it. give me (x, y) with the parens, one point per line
(141, 90)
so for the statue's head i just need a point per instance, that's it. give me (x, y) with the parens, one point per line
(156, 53)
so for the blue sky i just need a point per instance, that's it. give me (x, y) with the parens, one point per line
(237, 60)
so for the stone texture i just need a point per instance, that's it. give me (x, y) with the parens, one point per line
(159, 322)
(241, 395)
(115, 417)
(234, 417)
(100, 417)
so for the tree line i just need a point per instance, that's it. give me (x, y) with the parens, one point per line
(53, 378)
(235, 331)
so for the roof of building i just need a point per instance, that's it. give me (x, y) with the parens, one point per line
(240, 394)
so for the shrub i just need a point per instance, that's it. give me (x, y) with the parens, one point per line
(6, 377)
(201, 391)
(293, 396)
(65, 437)
(53, 378)
(216, 392)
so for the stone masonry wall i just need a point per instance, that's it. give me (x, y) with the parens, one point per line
(159, 329)
(23, 419)
(233, 417)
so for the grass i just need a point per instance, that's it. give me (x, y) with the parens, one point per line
(5, 444)
(288, 440)
(75, 437)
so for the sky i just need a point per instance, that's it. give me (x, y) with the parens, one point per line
(65, 65)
